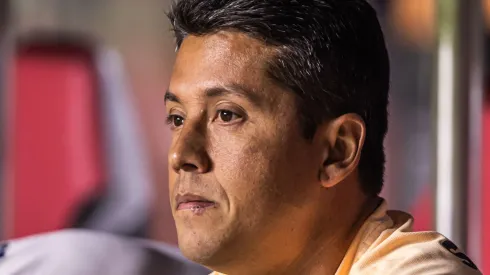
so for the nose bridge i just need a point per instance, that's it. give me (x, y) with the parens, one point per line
(189, 148)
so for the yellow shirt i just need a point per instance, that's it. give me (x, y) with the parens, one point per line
(386, 244)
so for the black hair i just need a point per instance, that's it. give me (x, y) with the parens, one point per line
(4, 15)
(331, 54)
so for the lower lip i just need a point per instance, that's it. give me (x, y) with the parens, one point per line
(197, 207)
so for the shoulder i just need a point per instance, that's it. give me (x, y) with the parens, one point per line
(77, 252)
(399, 250)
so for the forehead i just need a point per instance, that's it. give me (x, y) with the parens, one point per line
(220, 59)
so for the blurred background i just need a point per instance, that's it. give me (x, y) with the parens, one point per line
(84, 139)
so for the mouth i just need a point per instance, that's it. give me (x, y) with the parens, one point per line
(195, 203)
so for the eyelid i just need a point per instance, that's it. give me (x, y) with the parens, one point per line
(237, 111)
(176, 111)
(232, 107)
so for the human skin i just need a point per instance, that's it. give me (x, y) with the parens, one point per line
(249, 193)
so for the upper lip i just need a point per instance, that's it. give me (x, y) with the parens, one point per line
(190, 198)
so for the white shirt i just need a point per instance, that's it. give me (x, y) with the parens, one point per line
(82, 252)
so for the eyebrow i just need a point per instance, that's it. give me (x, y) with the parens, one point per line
(232, 89)
(237, 90)
(169, 96)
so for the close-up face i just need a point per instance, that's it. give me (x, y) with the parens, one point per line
(242, 176)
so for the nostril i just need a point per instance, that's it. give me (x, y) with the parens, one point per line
(188, 167)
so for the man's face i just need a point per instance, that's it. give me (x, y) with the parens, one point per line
(242, 177)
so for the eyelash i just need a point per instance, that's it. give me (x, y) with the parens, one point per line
(170, 120)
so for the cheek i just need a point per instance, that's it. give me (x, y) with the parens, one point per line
(246, 166)
(171, 178)
(268, 167)
(171, 184)
(171, 173)
(238, 156)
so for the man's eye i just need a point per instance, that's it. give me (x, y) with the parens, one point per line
(175, 121)
(228, 116)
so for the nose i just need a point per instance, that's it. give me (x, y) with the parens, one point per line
(188, 152)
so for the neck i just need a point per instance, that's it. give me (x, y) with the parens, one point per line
(325, 253)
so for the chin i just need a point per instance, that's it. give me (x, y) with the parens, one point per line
(205, 247)
(199, 249)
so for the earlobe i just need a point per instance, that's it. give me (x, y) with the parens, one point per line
(343, 139)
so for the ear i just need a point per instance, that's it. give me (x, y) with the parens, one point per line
(342, 140)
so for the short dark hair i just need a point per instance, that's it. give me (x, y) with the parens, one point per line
(332, 55)
(4, 15)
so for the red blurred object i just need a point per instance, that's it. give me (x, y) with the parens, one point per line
(54, 153)
(422, 211)
(486, 190)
